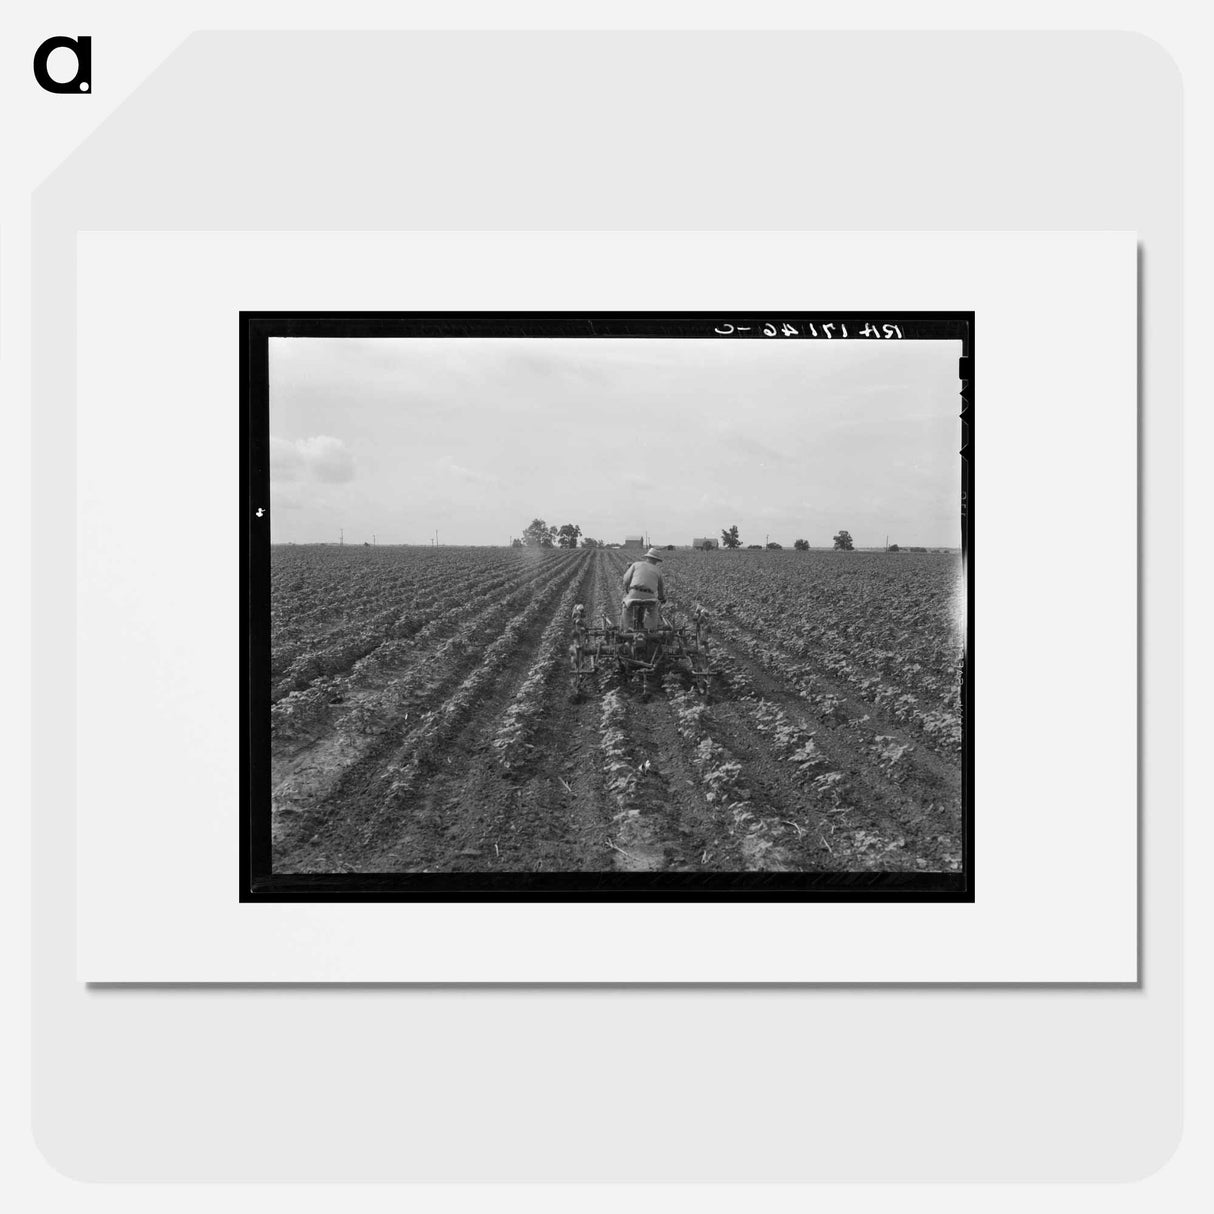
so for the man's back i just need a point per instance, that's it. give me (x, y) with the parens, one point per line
(642, 580)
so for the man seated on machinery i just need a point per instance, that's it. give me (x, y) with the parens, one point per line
(644, 592)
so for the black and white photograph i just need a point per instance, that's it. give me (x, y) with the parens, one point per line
(523, 687)
(605, 605)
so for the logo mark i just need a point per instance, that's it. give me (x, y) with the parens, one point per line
(82, 48)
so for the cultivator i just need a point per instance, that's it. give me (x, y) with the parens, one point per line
(644, 653)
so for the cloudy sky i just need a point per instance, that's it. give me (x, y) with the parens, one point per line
(474, 438)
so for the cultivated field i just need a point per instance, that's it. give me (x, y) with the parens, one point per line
(422, 717)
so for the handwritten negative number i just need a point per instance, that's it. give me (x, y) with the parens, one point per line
(828, 330)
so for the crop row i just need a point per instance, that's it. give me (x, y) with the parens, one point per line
(399, 649)
(754, 833)
(511, 743)
(397, 606)
(941, 726)
(395, 634)
(323, 589)
(885, 626)
(628, 780)
(400, 779)
(306, 616)
(890, 755)
(854, 837)
(302, 711)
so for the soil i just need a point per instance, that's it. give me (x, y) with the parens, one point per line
(357, 791)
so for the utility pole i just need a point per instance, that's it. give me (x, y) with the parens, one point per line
(372, 539)
(341, 535)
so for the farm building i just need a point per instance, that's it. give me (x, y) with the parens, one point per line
(703, 545)
(634, 541)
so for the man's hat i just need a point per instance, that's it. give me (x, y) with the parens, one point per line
(653, 554)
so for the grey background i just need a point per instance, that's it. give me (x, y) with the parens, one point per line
(565, 131)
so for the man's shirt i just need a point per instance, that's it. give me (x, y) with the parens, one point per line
(643, 581)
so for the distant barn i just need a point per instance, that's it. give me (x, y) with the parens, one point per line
(705, 544)
(634, 541)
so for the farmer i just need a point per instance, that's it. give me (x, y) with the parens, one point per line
(644, 591)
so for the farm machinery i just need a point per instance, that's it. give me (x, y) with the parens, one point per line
(645, 649)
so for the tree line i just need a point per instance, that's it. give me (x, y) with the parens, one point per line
(538, 534)
(731, 539)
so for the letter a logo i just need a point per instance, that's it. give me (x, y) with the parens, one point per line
(82, 81)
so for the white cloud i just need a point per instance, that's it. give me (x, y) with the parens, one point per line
(319, 458)
(447, 465)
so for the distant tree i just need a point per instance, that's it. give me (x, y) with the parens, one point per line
(893, 548)
(567, 536)
(729, 539)
(758, 546)
(843, 541)
(539, 534)
(516, 543)
(802, 545)
(587, 542)
(774, 546)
